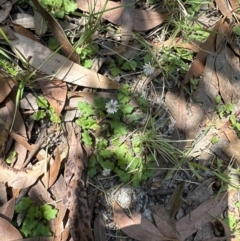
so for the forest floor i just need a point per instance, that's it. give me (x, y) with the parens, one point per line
(119, 120)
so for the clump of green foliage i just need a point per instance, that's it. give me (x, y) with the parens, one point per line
(87, 53)
(120, 138)
(233, 222)
(59, 8)
(35, 222)
(225, 110)
(45, 110)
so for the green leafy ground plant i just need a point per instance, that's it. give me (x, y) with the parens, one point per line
(123, 142)
(35, 222)
(227, 110)
(45, 110)
(59, 8)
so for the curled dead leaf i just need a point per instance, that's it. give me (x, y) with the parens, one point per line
(136, 227)
(8, 232)
(18, 178)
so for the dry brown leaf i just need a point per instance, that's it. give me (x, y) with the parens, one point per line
(99, 229)
(204, 213)
(8, 32)
(18, 127)
(61, 67)
(7, 209)
(39, 194)
(136, 227)
(19, 179)
(58, 33)
(55, 91)
(3, 196)
(198, 65)
(8, 232)
(232, 150)
(26, 20)
(127, 22)
(200, 194)
(227, 70)
(193, 122)
(79, 218)
(175, 202)
(234, 4)
(40, 24)
(179, 42)
(207, 89)
(164, 223)
(143, 20)
(4, 127)
(64, 235)
(227, 231)
(58, 189)
(223, 7)
(7, 83)
(23, 141)
(25, 32)
(54, 169)
(177, 107)
(229, 133)
(5, 10)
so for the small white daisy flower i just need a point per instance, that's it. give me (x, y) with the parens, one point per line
(148, 69)
(112, 106)
(106, 172)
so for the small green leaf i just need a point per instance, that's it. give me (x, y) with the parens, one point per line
(105, 153)
(142, 102)
(126, 109)
(135, 163)
(39, 114)
(137, 149)
(124, 176)
(101, 144)
(88, 64)
(92, 167)
(42, 102)
(218, 99)
(118, 128)
(215, 140)
(85, 108)
(133, 65)
(11, 156)
(135, 117)
(48, 212)
(120, 151)
(237, 125)
(28, 226)
(236, 30)
(42, 230)
(23, 204)
(126, 66)
(115, 71)
(123, 98)
(107, 165)
(99, 103)
(53, 44)
(233, 119)
(229, 108)
(147, 59)
(87, 122)
(86, 138)
(136, 181)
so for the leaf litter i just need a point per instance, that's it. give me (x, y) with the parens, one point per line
(54, 171)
